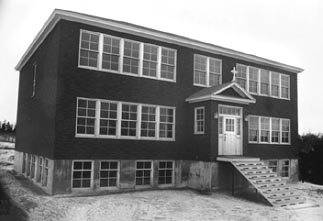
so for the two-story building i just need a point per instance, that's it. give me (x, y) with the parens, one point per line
(107, 106)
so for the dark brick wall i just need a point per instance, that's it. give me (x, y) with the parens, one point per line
(35, 117)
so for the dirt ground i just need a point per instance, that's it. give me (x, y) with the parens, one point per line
(21, 200)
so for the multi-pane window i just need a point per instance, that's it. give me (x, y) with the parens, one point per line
(264, 82)
(89, 49)
(168, 64)
(285, 86)
(24, 162)
(253, 79)
(108, 118)
(143, 173)
(82, 174)
(285, 168)
(285, 131)
(253, 128)
(109, 173)
(199, 119)
(150, 60)
(165, 172)
(220, 125)
(273, 165)
(28, 165)
(207, 71)
(264, 129)
(109, 53)
(34, 79)
(148, 121)
(39, 170)
(275, 130)
(85, 116)
(272, 130)
(33, 166)
(275, 82)
(166, 125)
(241, 77)
(129, 120)
(45, 175)
(131, 57)
(115, 119)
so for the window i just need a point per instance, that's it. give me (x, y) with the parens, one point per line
(24, 163)
(199, 120)
(129, 120)
(85, 116)
(150, 60)
(148, 121)
(165, 172)
(285, 131)
(131, 57)
(264, 129)
(111, 53)
(253, 79)
(241, 77)
(273, 165)
(275, 130)
(109, 173)
(123, 56)
(45, 175)
(39, 170)
(285, 168)
(220, 125)
(108, 118)
(33, 166)
(272, 130)
(253, 129)
(229, 125)
(207, 71)
(166, 125)
(28, 165)
(167, 64)
(115, 119)
(143, 173)
(264, 82)
(34, 80)
(82, 174)
(275, 84)
(89, 49)
(285, 86)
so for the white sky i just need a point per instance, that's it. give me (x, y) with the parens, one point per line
(289, 31)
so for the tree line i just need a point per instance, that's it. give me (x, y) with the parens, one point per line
(311, 158)
(7, 127)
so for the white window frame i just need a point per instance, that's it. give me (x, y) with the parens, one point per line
(270, 82)
(281, 165)
(121, 57)
(44, 181)
(118, 174)
(281, 86)
(151, 174)
(91, 179)
(33, 167)
(196, 128)
(207, 70)
(40, 169)
(118, 135)
(34, 75)
(270, 130)
(173, 173)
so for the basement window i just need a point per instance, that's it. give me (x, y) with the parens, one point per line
(273, 165)
(82, 174)
(45, 172)
(33, 166)
(109, 173)
(143, 173)
(165, 172)
(285, 165)
(39, 169)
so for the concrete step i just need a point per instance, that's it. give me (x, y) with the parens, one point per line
(265, 180)
(249, 163)
(270, 190)
(253, 167)
(262, 175)
(270, 185)
(256, 172)
(281, 194)
(288, 203)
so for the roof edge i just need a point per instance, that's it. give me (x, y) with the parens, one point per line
(59, 14)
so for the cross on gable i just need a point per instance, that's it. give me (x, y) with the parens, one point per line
(234, 72)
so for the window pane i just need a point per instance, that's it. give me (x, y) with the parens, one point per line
(89, 49)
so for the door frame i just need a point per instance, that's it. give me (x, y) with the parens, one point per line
(220, 152)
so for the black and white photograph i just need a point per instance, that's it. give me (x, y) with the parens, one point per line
(161, 110)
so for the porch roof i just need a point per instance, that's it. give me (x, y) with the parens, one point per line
(218, 93)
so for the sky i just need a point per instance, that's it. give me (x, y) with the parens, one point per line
(287, 31)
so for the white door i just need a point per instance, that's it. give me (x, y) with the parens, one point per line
(230, 136)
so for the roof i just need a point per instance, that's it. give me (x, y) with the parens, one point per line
(125, 27)
(216, 93)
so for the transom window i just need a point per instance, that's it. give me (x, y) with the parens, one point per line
(165, 172)
(82, 174)
(207, 71)
(118, 55)
(115, 119)
(199, 116)
(109, 173)
(263, 82)
(143, 173)
(271, 130)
